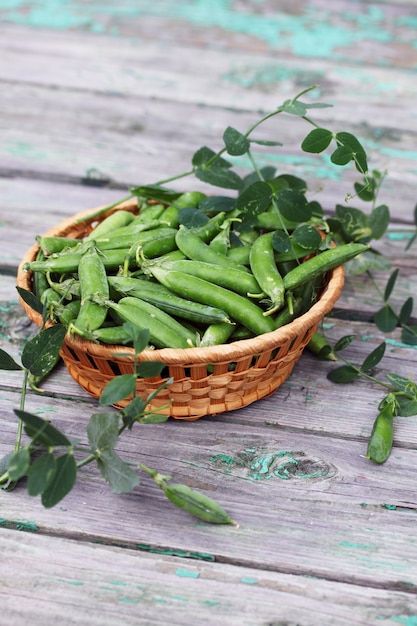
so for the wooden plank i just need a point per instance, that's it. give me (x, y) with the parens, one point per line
(305, 505)
(358, 32)
(116, 586)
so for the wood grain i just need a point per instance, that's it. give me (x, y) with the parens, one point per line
(95, 98)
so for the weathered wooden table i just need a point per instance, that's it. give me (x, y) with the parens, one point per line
(96, 97)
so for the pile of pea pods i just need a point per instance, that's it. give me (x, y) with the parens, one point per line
(190, 286)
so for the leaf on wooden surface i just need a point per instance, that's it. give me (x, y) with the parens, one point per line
(7, 362)
(103, 431)
(30, 299)
(386, 319)
(62, 481)
(343, 374)
(41, 473)
(374, 357)
(119, 474)
(41, 353)
(42, 431)
(19, 464)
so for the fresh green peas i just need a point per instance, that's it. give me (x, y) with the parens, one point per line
(263, 266)
(114, 220)
(93, 281)
(321, 263)
(236, 306)
(163, 334)
(194, 248)
(234, 279)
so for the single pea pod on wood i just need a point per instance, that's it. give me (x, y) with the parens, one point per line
(382, 436)
(322, 263)
(196, 504)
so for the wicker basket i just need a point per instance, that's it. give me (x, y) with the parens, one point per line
(206, 381)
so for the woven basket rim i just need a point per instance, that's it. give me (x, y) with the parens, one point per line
(212, 354)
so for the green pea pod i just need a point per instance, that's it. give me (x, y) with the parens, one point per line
(236, 306)
(196, 249)
(54, 245)
(321, 263)
(216, 334)
(321, 347)
(237, 280)
(239, 255)
(93, 282)
(380, 443)
(196, 504)
(115, 220)
(264, 268)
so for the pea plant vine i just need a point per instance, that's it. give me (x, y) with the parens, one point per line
(50, 461)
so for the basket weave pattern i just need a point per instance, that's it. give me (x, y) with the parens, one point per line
(206, 381)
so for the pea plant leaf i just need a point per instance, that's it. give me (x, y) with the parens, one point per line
(41, 353)
(293, 205)
(7, 362)
(406, 311)
(217, 204)
(255, 199)
(155, 192)
(219, 177)
(386, 319)
(343, 374)
(374, 357)
(19, 464)
(349, 149)
(41, 473)
(401, 383)
(205, 156)
(149, 369)
(118, 388)
(192, 218)
(390, 284)
(343, 342)
(30, 299)
(236, 143)
(120, 476)
(41, 431)
(317, 140)
(307, 236)
(103, 431)
(281, 241)
(62, 480)
(409, 335)
(378, 221)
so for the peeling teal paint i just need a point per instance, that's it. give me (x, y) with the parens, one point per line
(249, 581)
(312, 33)
(186, 573)
(260, 465)
(199, 556)
(359, 546)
